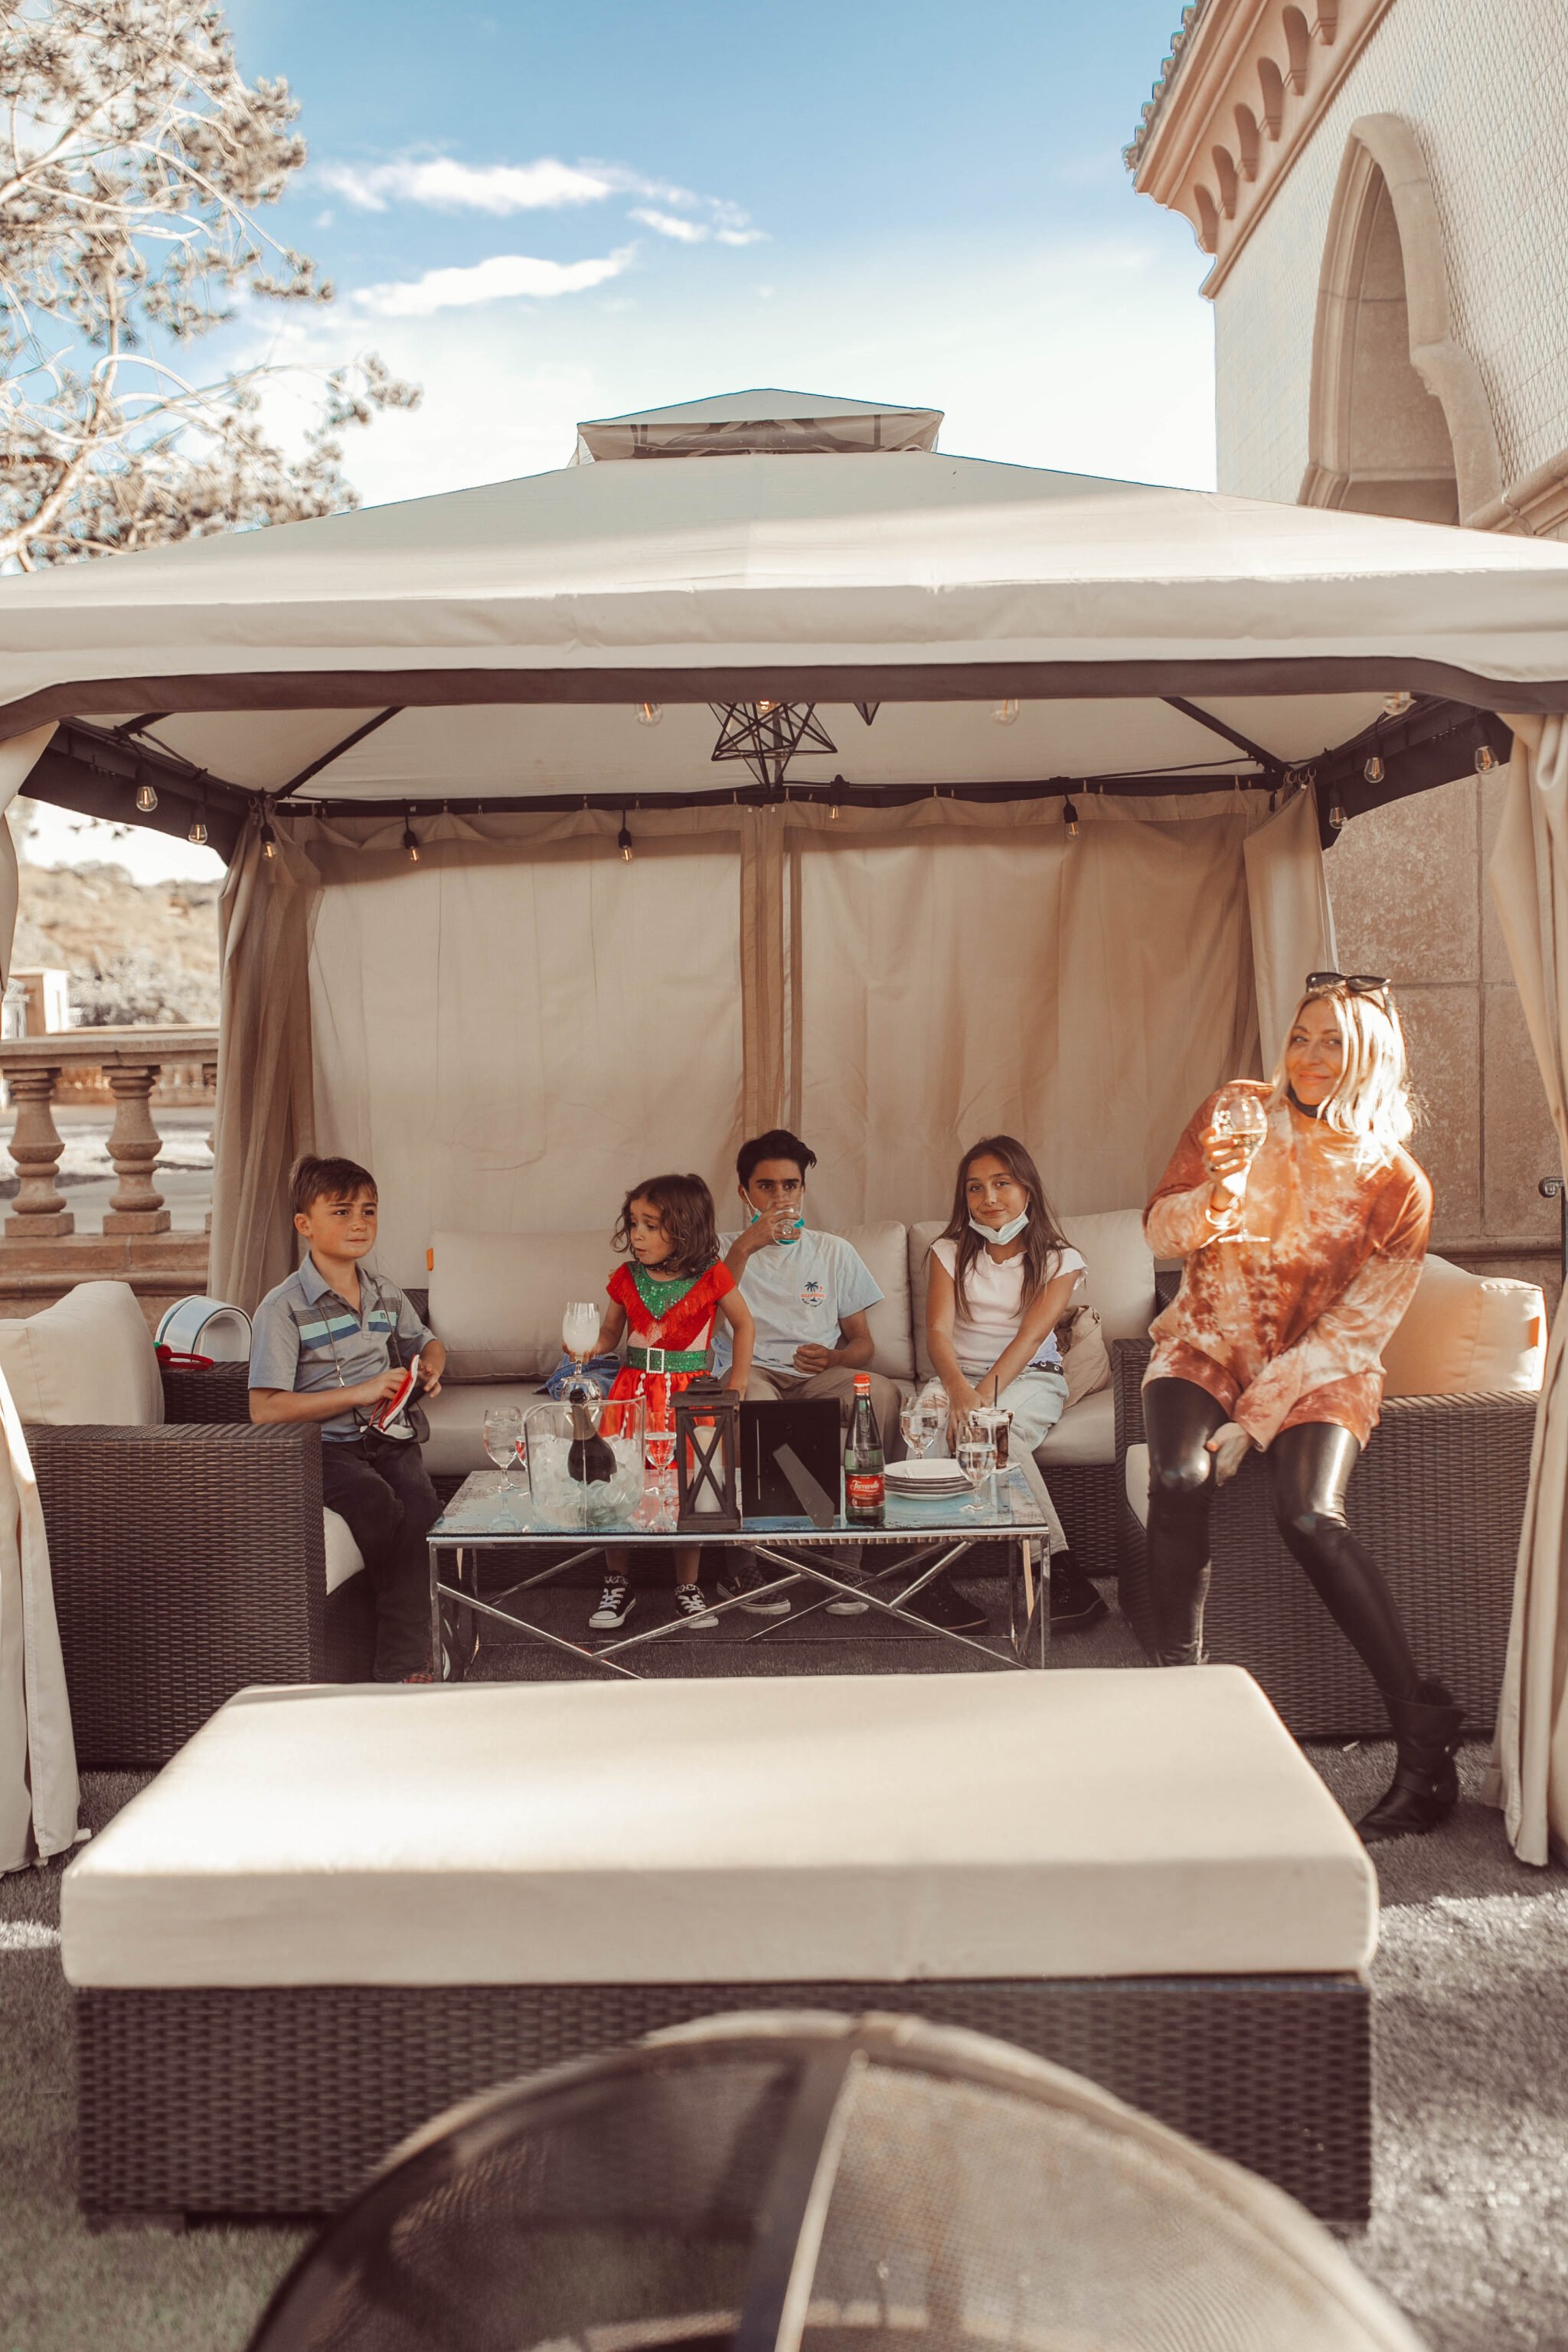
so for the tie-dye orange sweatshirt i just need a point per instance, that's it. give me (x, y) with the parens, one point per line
(1287, 1302)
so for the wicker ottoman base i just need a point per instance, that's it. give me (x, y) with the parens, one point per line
(280, 2100)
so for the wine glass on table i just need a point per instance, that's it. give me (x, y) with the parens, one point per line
(1240, 1118)
(503, 1443)
(918, 1432)
(977, 1461)
(658, 1448)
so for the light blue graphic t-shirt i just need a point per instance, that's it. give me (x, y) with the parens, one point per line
(799, 1293)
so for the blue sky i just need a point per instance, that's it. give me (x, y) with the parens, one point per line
(543, 214)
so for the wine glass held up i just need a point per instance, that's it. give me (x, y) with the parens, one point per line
(580, 1328)
(1236, 1133)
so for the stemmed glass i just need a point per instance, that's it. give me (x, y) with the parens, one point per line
(504, 1444)
(933, 1409)
(1239, 1117)
(977, 1460)
(579, 1330)
(918, 1432)
(658, 1448)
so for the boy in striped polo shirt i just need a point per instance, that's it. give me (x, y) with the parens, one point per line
(327, 1346)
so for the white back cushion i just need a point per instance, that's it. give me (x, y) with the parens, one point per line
(1466, 1335)
(1120, 1282)
(884, 1248)
(497, 1299)
(87, 1358)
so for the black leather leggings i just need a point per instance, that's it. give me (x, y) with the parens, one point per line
(1309, 1470)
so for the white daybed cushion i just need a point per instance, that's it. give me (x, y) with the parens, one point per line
(1085, 1434)
(1466, 1335)
(870, 1829)
(87, 1358)
(1119, 1281)
(345, 1558)
(884, 1248)
(457, 1440)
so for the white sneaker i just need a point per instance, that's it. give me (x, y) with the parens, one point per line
(690, 1605)
(616, 1603)
(842, 1604)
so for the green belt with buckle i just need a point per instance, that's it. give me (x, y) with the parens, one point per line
(669, 1360)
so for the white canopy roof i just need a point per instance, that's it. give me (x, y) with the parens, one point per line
(495, 644)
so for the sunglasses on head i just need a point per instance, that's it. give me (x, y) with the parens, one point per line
(1355, 983)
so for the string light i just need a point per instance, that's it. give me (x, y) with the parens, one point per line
(1375, 771)
(833, 800)
(766, 709)
(410, 838)
(1397, 704)
(1005, 713)
(146, 792)
(624, 840)
(1486, 760)
(1069, 818)
(1336, 816)
(197, 833)
(268, 839)
(650, 713)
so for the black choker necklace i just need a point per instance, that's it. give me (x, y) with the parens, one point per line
(1306, 1109)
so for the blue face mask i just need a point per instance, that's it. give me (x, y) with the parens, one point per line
(1000, 1234)
(788, 1240)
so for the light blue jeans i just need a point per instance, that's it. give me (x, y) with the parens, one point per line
(1037, 1401)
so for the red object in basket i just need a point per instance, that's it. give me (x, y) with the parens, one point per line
(184, 1363)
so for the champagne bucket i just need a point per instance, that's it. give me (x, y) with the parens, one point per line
(601, 1436)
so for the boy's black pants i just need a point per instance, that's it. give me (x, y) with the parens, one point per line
(381, 1488)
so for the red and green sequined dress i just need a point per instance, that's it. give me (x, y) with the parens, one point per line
(670, 1323)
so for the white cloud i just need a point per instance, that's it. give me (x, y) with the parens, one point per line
(689, 232)
(443, 183)
(500, 279)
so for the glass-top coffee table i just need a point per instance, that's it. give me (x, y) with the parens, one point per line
(896, 1561)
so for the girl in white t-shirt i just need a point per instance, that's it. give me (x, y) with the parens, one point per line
(1001, 1277)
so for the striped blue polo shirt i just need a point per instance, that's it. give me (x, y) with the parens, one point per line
(305, 1337)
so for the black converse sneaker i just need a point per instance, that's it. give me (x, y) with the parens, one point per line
(615, 1602)
(690, 1605)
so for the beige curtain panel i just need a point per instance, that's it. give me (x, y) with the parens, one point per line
(515, 1030)
(37, 1754)
(1529, 883)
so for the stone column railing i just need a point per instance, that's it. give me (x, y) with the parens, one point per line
(131, 1059)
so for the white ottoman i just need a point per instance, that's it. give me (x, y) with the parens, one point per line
(338, 1910)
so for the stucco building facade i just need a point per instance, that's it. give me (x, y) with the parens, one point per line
(1384, 187)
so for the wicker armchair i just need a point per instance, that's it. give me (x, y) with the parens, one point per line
(188, 1561)
(1438, 1497)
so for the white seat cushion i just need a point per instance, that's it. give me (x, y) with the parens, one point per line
(872, 1829)
(1085, 1434)
(1466, 1335)
(457, 1440)
(345, 1558)
(87, 1358)
(497, 1299)
(1137, 1476)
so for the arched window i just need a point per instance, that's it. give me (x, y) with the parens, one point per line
(1399, 419)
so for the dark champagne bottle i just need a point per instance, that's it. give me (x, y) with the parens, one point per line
(865, 1464)
(589, 1458)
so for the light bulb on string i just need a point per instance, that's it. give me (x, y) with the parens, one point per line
(765, 710)
(1397, 704)
(624, 840)
(650, 713)
(1069, 818)
(1336, 816)
(410, 838)
(833, 800)
(1375, 771)
(197, 832)
(1486, 760)
(268, 839)
(1003, 713)
(146, 791)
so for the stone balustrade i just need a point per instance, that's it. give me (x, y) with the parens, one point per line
(131, 1061)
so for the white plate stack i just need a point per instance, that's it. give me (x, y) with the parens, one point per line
(927, 1481)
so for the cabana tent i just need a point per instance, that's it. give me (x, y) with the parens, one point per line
(768, 649)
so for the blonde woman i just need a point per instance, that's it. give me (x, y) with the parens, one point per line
(1298, 1264)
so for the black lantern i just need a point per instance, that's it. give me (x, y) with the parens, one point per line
(707, 1455)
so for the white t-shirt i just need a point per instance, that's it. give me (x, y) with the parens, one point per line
(799, 1293)
(986, 1319)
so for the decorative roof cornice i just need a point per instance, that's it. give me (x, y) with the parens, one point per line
(1238, 96)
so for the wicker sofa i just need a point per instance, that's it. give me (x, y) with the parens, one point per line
(1438, 1497)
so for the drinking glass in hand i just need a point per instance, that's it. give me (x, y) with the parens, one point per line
(580, 1328)
(1240, 1118)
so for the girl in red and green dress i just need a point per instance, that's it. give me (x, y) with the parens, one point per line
(665, 1300)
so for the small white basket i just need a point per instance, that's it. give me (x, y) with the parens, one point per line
(206, 1327)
